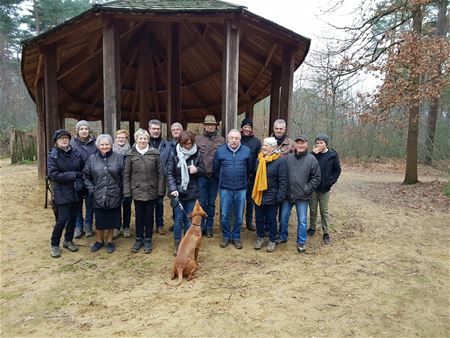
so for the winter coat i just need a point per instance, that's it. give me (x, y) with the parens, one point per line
(102, 176)
(232, 168)
(303, 176)
(174, 176)
(330, 169)
(63, 168)
(276, 182)
(144, 177)
(254, 144)
(286, 147)
(208, 147)
(86, 149)
(165, 151)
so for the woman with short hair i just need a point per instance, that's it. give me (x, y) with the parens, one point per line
(102, 176)
(144, 181)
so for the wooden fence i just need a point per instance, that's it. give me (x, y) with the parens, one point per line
(23, 146)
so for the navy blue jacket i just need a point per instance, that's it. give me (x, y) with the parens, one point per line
(63, 168)
(277, 177)
(330, 169)
(233, 168)
(254, 144)
(85, 149)
(165, 151)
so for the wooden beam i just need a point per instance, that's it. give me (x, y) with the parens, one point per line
(111, 77)
(249, 112)
(42, 150)
(173, 75)
(144, 79)
(153, 83)
(38, 71)
(274, 98)
(52, 118)
(131, 130)
(286, 83)
(261, 71)
(230, 78)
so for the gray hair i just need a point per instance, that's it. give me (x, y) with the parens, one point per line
(102, 137)
(271, 141)
(154, 121)
(141, 132)
(234, 131)
(280, 122)
(176, 125)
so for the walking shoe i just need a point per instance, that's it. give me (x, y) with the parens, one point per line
(148, 247)
(237, 244)
(176, 244)
(88, 230)
(96, 246)
(326, 239)
(310, 232)
(55, 251)
(301, 248)
(116, 233)
(224, 243)
(279, 241)
(126, 232)
(110, 247)
(257, 245)
(69, 245)
(251, 227)
(271, 247)
(78, 233)
(209, 232)
(161, 231)
(137, 246)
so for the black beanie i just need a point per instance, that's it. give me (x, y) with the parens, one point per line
(247, 122)
(323, 137)
(61, 132)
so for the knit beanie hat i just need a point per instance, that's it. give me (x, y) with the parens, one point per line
(323, 137)
(247, 122)
(82, 123)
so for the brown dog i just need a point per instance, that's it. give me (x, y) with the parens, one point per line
(186, 263)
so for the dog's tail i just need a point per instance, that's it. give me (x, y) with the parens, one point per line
(180, 277)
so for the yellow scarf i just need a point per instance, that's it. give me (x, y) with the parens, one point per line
(261, 176)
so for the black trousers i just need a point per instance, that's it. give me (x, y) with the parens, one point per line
(144, 219)
(126, 212)
(67, 214)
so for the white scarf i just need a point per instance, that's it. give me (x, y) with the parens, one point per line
(142, 151)
(183, 154)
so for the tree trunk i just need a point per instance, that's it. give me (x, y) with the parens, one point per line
(441, 32)
(413, 127)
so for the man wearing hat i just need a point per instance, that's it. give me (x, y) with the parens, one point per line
(254, 144)
(207, 144)
(330, 169)
(84, 143)
(64, 166)
(303, 177)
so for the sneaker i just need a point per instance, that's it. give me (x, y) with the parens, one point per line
(209, 232)
(310, 232)
(110, 247)
(161, 231)
(55, 251)
(88, 230)
(116, 233)
(148, 247)
(251, 227)
(326, 239)
(301, 248)
(224, 243)
(237, 244)
(137, 246)
(78, 233)
(176, 244)
(258, 244)
(126, 232)
(96, 246)
(69, 245)
(279, 241)
(271, 247)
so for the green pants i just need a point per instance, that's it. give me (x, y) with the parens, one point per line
(321, 199)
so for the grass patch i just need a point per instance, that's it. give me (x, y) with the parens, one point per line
(10, 295)
(447, 189)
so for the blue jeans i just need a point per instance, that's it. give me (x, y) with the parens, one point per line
(181, 218)
(159, 212)
(266, 215)
(208, 194)
(89, 212)
(66, 219)
(231, 200)
(302, 211)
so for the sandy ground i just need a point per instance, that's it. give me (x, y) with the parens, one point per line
(385, 274)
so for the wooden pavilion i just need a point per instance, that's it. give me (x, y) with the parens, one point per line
(174, 60)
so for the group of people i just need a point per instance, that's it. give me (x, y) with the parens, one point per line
(267, 177)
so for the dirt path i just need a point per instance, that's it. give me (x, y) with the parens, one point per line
(386, 273)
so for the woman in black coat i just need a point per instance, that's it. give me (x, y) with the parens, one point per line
(102, 175)
(64, 166)
(183, 169)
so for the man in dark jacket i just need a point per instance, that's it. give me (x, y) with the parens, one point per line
(84, 143)
(254, 144)
(303, 178)
(232, 165)
(330, 169)
(165, 150)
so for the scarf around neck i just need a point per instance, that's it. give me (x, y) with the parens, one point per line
(261, 176)
(122, 150)
(183, 154)
(142, 151)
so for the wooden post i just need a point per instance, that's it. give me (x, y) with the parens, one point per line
(173, 76)
(41, 135)
(111, 77)
(274, 98)
(52, 119)
(230, 79)
(144, 80)
(287, 79)
(249, 112)
(131, 130)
